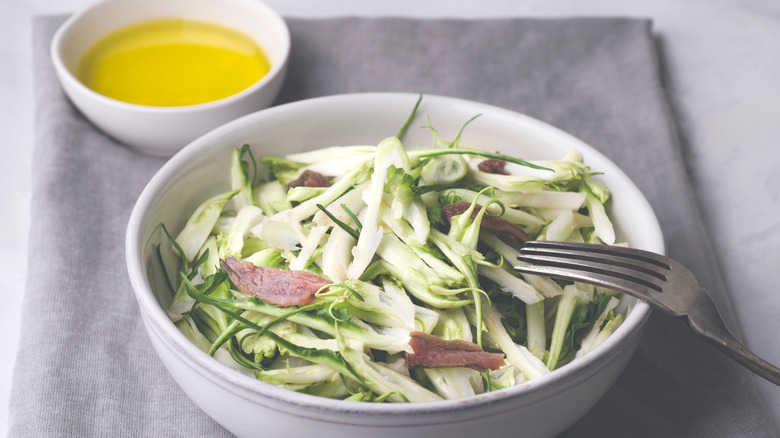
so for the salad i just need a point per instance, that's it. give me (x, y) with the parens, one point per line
(377, 273)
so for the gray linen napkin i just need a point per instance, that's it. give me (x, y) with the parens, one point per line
(85, 366)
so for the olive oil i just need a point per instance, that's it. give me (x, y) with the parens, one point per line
(172, 62)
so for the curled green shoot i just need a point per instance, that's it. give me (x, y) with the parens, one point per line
(434, 132)
(455, 142)
(332, 290)
(235, 352)
(485, 262)
(178, 248)
(500, 205)
(447, 291)
(385, 396)
(231, 330)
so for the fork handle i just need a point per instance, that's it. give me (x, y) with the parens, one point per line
(706, 321)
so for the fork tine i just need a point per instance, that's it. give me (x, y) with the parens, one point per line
(588, 269)
(622, 251)
(602, 262)
(624, 271)
(599, 259)
(580, 274)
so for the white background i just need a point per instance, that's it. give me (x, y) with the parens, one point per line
(723, 63)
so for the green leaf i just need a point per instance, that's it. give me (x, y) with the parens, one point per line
(245, 150)
(436, 216)
(158, 254)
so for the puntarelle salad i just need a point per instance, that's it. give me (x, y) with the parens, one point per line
(376, 273)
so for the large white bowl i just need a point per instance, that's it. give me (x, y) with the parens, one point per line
(247, 407)
(158, 130)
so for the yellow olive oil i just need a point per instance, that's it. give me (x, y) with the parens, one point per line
(172, 62)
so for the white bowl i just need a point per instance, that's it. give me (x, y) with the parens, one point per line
(163, 131)
(540, 407)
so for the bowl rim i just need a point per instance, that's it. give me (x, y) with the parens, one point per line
(253, 389)
(73, 22)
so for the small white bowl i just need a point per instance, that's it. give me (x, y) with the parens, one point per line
(541, 407)
(162, 131)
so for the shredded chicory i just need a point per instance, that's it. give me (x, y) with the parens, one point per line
(395, 264)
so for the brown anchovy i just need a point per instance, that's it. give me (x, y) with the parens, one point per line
(489, 222)
(274, 286)
(433, 352)
(492, 165)
(309, 178)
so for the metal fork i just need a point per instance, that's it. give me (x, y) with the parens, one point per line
(658, 280)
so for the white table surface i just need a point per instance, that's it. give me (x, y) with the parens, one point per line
(723, 63)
